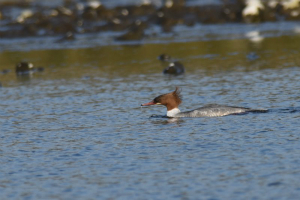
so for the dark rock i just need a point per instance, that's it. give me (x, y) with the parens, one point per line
(167, 17)
(142, 10)
(63, 11)
(63, 25)
(232, 10)
(115, 24)
(167, 24)
(24, 68)
(174, 68)
(98, 13)
(135, 32)
(105, 14)
(18, 4)
(211, 14)
(292, 14)
(69, 3)
(89, 13)
(190, 20)
(29, 30)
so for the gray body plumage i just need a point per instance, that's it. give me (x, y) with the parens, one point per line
(215, 110)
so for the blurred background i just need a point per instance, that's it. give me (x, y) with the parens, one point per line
(136, 20)
(73, 74)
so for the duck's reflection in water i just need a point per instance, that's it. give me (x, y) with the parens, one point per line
(166, 120)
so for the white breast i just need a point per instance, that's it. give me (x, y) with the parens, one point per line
(173, 112)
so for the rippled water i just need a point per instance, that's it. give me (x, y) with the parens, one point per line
(183, 34)
(77, 131)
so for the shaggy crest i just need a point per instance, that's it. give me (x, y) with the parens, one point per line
(178, 96)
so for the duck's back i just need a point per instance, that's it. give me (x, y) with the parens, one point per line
(215, 110)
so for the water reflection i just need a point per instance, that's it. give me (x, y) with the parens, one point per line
(164, 120)
(124, 61)
(287, 110)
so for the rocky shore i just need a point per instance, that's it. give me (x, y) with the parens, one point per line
(28, 19)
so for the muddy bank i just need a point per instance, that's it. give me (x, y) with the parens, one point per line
(27, 19)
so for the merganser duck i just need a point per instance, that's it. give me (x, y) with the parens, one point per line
(174, 68)
(24, 68)
(173, 99)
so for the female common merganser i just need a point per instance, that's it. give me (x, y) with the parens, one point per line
(173, 100)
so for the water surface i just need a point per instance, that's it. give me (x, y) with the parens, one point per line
(77, 131)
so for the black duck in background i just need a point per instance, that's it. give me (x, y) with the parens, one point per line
(174, 68)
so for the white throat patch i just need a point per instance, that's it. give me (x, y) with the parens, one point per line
(173, 112)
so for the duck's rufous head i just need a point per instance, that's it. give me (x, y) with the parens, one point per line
(170, 100)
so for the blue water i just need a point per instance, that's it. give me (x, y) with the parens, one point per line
(87, 137)
(77, 131)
